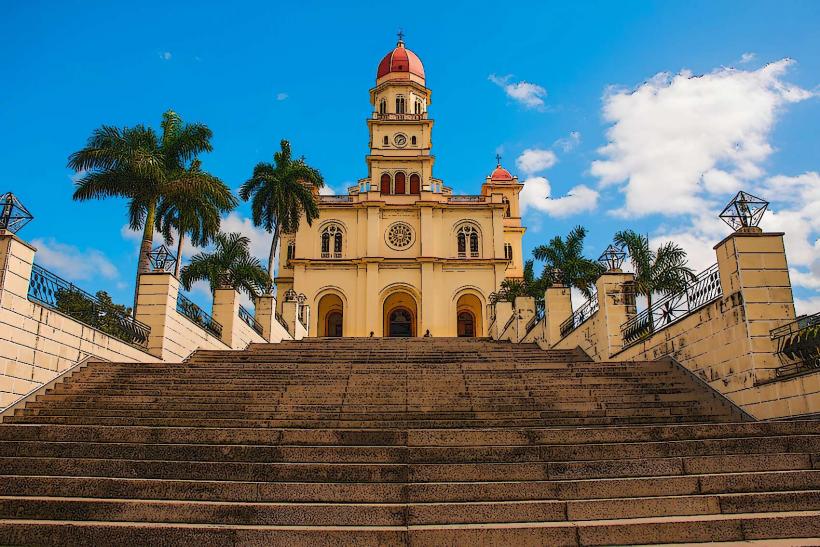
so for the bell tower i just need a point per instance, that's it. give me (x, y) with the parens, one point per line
(400, 162)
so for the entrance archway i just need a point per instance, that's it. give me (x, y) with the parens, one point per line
(400, 315)
(468, 316)
(466, 324)
(330, 321)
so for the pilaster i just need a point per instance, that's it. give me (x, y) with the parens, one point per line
(557, 309)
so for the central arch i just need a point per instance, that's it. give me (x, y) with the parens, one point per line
(400, 315)
(331, 315)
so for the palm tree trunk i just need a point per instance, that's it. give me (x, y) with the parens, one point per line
(145, 248)
(272, 255)
(179, 254)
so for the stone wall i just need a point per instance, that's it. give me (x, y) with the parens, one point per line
(38, 343)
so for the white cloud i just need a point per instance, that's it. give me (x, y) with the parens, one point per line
(528, 94)
(747, 57)
(807, 306)
(281, 96)
(165, 55)
(73, 263)
(567, 144)
(535, 160)
(691, 137)
(260, 239)
(327, 190)
(537, 195)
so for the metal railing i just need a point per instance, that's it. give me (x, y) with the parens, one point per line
(281, 320)
(467, 199)
(331, 255)
(397, 117)
(197, 316)
(58, 294)
(798, 345)
(580, 316)
(704, 290)
(249, 320)
(335, 199)
(509, 322)
(540, 309)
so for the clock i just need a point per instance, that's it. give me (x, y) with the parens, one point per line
(400, 139)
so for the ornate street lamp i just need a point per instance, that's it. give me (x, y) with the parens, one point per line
(290, 295)
(744, 211)
(612, 258)
(13, 214)
(161, 259)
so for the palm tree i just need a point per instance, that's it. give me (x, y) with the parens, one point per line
(229, 265)
(193, 207)
(663, 271)
(526, 286)
(280, 194)
(137, 164)
(564, 262)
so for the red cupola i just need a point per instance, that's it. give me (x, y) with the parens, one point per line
(400, 62)
(500, 174)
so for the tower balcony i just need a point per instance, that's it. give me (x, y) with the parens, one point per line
(389, 116)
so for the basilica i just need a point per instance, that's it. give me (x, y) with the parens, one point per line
(400, 254)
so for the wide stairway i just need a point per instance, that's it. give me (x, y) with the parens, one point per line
(400, 442)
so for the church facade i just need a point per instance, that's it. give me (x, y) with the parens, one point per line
(400, 254)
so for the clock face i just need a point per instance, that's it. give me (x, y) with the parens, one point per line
(400, 139)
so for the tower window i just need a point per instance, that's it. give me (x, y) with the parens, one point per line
(386, 141)
(291, 250)
(506, 203)
(382, 106)
(418, 106)
(415, 183)
(508, 253)
(332, 236)
(400, 105)
(467, 237)
(385, 183)
(400, 180)
(413, 140)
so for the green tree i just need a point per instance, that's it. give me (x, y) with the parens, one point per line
(564, 262)
(280, 193)
(137, 164)
(194, 207)
(229, 265)
(528, 285)
(103, 314)
(662, 271)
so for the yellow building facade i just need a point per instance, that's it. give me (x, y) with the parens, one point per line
(400, 254)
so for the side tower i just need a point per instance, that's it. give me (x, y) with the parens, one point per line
(400, 162)
(501, 182)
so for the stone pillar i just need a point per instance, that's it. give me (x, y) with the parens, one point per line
(503, 312)
(373, 313)
(616, 304)
(264, 311)
(753, 271)
(226, 312)
(428, 300)
(557, 309)
(524, 311)
(290, 313)
(156, 302)
(16, 260)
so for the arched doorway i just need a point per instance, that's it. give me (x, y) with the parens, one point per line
(334, 324)
(400, 315)
(466, 324)
(400, 323)
(468, 316)
(330, 320)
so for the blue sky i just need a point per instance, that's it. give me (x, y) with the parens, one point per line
(692, 100)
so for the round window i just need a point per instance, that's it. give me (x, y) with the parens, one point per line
(399, 235)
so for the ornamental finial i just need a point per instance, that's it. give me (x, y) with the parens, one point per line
(498, 159)
(401, 37)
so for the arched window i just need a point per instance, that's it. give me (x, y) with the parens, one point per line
(399, 186)
(332, 237)
(418, 106)
(291, 250)
(386, 141)
(506, 203)
(413, 140)
(508, 251)
(385, 183)
(467, 237)
(415, 183)
(400, 105)
(382, 106)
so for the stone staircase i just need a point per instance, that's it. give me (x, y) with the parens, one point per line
(400, 441)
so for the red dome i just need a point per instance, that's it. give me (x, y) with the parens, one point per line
(400, 59)
(501, 174)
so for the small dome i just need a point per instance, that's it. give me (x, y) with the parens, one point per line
(501, 174)
(400, 59)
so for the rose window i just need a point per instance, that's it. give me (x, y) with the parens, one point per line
(400, 235)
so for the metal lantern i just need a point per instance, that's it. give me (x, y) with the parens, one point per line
(612, 258)
(744, 211)
(290, 295)
(301, 298)
(161, 259)
(13, 214)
